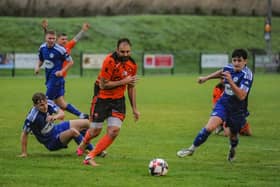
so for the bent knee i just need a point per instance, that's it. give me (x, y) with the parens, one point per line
(75, 132)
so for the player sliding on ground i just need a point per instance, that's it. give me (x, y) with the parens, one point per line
(40, 121)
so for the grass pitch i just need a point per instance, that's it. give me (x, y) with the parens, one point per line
(173, 110)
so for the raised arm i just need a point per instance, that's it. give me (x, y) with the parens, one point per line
(44, 25)
(84, 29)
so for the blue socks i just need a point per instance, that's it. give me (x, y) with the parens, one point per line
(79, 139)
(70, 108)
(201, 137)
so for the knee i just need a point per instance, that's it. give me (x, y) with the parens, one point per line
(113, 133)
(94, 132)
(75, 132)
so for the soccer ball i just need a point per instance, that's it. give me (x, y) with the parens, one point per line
(158, 167)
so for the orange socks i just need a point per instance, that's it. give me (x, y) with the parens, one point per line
(101, 145)
(87, 137)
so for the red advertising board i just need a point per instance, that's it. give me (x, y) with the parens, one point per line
(158, 61)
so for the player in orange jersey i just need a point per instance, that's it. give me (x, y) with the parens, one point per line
(68, 45)
(62, 39)
(217, 93)
(117, 74)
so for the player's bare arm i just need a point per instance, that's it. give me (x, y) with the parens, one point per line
(84, 29)
(241, 94)
(24, 138)
(58, 116)
(44, 25)
(37, 67)
(106, 84)
(215, 75)
(131, 91)
(65, 69)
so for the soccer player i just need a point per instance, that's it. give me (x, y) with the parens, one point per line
(62, 39)
(53, 56)
(231, 108)
(117, 74)
(217, 94)
(40, 121)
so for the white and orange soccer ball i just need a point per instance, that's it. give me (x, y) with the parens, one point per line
(158, 167)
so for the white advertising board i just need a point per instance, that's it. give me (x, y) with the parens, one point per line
(214, 60)
(93, 61)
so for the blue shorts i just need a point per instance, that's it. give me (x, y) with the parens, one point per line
(234, 119)
(55, 143)
(55, 90)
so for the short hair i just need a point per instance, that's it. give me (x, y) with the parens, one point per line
(239, 53)
(51, 32)
(123, 40)
(38, 97)
(61, 34)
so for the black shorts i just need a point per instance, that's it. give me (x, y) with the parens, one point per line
(101, 109)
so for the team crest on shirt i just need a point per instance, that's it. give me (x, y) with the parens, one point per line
(235, 79)
(51, 55)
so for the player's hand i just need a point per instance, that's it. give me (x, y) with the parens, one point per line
(22, 155)
(85, 27)
(50, 118)
(130, 80)
(136, 115)
(201, 80)
(45, 24)
(59, 73)
(36, 70)
(226, 75)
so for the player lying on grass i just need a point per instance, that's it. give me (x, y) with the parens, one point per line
(40, 121)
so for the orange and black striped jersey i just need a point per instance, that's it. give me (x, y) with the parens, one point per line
(114, 70)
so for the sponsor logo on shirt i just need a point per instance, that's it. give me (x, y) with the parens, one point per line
(48, 64)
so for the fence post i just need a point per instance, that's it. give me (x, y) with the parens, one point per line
(143, 68)
(199, 63)
(14, 65)
(253, 61)
(81, 63)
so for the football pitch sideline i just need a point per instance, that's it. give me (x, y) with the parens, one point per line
(173, 110)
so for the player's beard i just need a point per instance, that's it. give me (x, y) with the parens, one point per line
(123, 58)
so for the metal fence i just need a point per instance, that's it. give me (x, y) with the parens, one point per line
(185, 62)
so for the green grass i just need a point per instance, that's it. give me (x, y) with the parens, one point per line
(173, 109)
(147, 32)
(184, 36)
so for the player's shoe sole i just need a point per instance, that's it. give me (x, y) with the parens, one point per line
(185, 152)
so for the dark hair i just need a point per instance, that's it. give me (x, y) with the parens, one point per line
(61, 34)
(240, 53)
(123, 40)
(38, 97)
